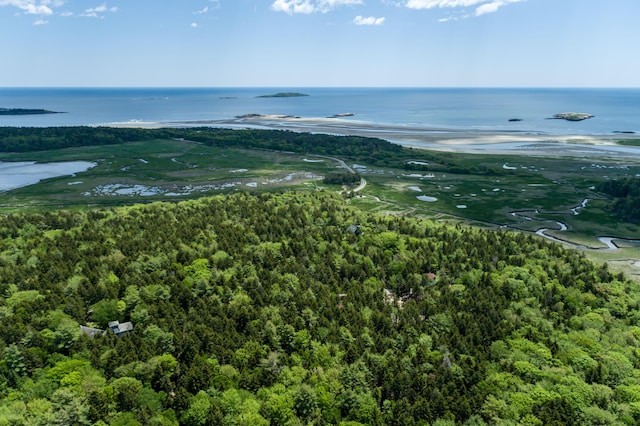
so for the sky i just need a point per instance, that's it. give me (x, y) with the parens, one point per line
(319, 43)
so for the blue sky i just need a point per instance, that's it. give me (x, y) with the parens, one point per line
(303, 43)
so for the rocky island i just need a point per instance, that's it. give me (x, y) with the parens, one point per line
(283, 95)
(25, 111)
(572, 116)
(266, 116)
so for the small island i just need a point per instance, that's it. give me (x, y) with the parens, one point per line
(267, 116)
(572, 116)
(25, 111)
(283, 95)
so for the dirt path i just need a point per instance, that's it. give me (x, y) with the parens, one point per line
(363, 181)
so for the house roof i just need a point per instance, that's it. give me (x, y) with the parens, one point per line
(114, 326)
(125, 326)
(90, 331)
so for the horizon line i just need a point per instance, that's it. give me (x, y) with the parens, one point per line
(317, 87)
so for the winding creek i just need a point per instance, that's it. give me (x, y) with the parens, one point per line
(608, 241)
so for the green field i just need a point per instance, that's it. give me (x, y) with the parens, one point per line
(500, 192)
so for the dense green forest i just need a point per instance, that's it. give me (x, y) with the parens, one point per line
(373, 151)
(25, 139)
(342, 178)
(267, 309)
(626, 197)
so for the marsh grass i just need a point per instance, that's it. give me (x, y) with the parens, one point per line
(543, 190)
(162, 163)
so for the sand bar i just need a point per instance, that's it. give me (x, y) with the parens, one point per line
(443, 139)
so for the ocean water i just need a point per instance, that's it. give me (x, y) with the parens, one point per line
(615, 110)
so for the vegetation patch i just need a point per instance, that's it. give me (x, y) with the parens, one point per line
(626, 193)
(195, 162)
(262, 305)
(268, 309)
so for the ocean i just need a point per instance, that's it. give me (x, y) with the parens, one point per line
(614, 110)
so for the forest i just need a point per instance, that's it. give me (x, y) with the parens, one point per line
(626, 197)
(266, 308)
(372, 150)
(341, 178)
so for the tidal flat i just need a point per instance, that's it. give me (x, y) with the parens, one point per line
(465, 140)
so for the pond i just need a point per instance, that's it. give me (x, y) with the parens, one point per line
(427, 198)
(18, 174)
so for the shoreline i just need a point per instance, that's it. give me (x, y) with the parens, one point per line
(433, 138)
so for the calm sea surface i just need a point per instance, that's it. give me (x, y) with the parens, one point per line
(615, 110)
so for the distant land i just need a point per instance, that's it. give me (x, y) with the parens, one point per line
(25, 111)
(283, 95)
(572, 116)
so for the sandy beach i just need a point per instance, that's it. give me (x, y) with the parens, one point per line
(443, 139)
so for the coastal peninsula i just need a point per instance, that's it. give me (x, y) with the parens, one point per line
(25, 111)
(283, 95)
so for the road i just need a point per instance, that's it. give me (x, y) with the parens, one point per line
(363, 181)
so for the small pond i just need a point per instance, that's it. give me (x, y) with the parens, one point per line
(18, 174)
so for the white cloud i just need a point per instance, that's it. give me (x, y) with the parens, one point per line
(493, 6)
(311, 6)
(292, 6)
(30, 7)
(38, 10)
(371, 20)
(200, 12)
(430, 4)
(194, 25)
(482, 6)
(44, 8)
(332, 4)
(96, 12)
(488, 8)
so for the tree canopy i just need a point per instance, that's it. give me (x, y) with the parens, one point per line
(626, 197)
(265, 309)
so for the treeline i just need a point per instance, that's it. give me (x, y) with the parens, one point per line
(25, 139)
(28, 139)
(265, 309)
(626, 197)
(24, 111)
(373, 151)
(341, 178)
